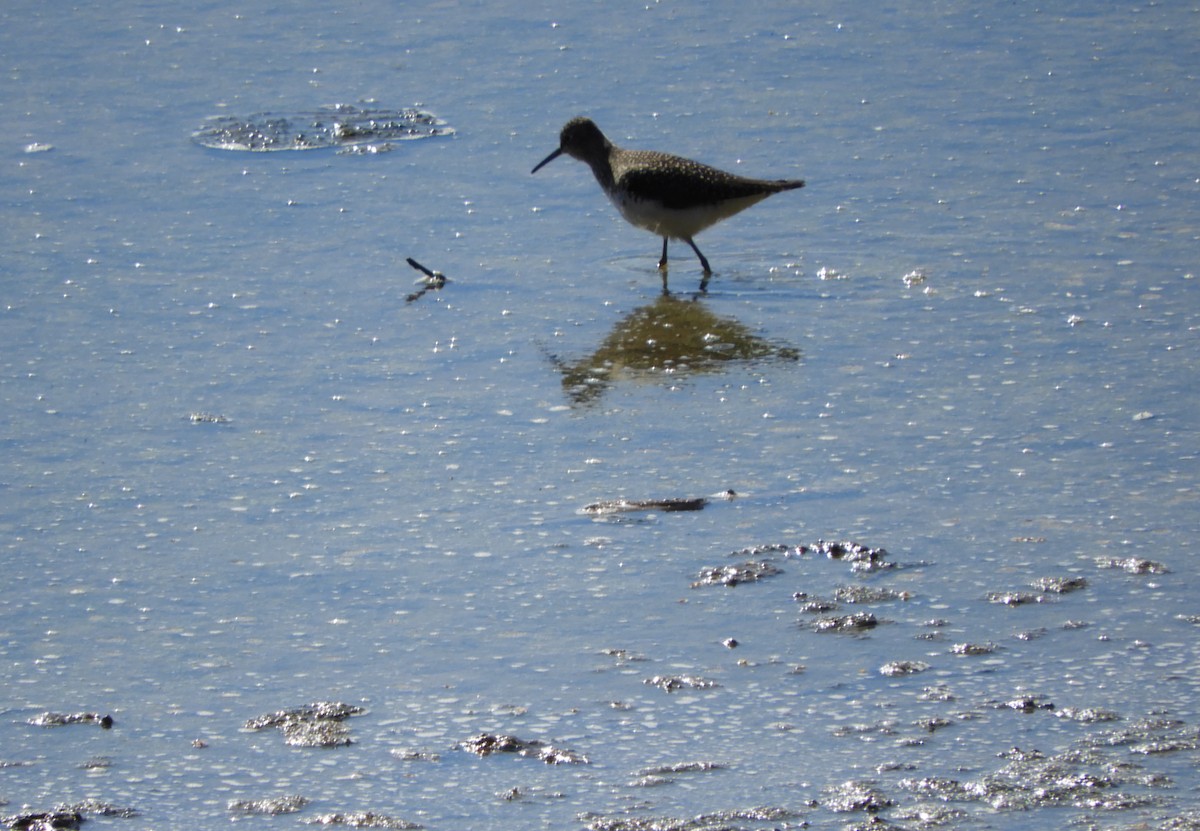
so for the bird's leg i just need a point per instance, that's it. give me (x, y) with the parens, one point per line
(662, 263)
(703, 260)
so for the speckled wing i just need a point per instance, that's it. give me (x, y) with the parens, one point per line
(680, 183)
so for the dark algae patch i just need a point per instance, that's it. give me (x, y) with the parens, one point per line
(674, 683)
(1030, 779)
(928, 682)
(750, 571)
(363, 819)
(625, 506)
(319, 724)
(65, 816)
(272, 806)
(855, 795)
(487, 744)
(853, 624)
(317, 711)
(753, 819)
(63, 719)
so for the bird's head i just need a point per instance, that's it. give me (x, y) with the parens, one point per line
(581, 139)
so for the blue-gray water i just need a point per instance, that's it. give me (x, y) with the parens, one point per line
(982, 317)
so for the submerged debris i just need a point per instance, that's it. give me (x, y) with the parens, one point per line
(317, 711)
(973, 649)
(1149, 736)
(930, 816)
(485, 744)
(813, 605)
(1015, 598)
(60, 818)
(314, 725)
(408, 755)
(747, 820)
(936, 692)
(341, 125)
(316, 734)
(672, 683)
(1030, 779)
(1059, 585)
(664, 775)
(207, 418)
(879, 728)
(102, 809)
(363, 819)
(868, 594)
(65, 816)
(933, 723)
(769, 548)
(747, 572)
(1086, 715)
(855, 795)
(861, 557)
(49, 719)
(1024, 704)
(620, 506)
(271, 807)
(681, 767)
(855, 623)
(623, 656)
(1133, 565)
(1045, 586)
(894, 669)
(937, 787)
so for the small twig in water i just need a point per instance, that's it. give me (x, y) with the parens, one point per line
(434, 280)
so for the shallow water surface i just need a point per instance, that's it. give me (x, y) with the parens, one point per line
(241, 473)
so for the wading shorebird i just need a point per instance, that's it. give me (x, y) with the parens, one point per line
(673, 197)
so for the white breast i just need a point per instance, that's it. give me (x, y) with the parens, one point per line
(677, 223)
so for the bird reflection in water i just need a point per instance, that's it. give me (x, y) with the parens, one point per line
(667, 339)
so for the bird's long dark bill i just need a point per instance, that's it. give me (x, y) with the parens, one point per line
(547, 160)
